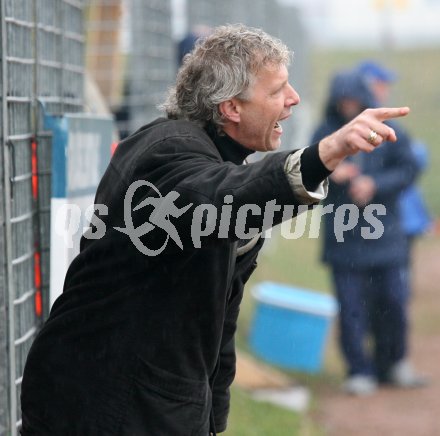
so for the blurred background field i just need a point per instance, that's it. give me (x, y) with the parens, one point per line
(297, 262)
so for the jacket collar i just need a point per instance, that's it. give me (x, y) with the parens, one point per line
(229, 149)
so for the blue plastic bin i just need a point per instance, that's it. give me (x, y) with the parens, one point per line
(291, 326)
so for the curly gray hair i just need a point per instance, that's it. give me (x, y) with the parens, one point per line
(221, 66)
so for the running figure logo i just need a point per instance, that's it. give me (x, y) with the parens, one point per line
(163, 208)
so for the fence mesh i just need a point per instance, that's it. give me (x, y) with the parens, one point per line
(4, 364)
(42, 61)
(19, 58)
(152, 61)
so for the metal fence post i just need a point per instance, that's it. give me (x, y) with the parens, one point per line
(9, 379)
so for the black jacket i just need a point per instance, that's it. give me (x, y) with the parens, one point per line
(143, 345)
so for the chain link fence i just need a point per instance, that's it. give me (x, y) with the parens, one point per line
(151, 67)
(42, 69)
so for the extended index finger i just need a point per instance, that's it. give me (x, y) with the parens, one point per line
(386, 113)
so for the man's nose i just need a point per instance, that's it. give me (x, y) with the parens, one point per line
(292, 98)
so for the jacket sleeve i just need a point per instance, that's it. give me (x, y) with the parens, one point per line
(201, 179)
(245, 265)
(398, 170)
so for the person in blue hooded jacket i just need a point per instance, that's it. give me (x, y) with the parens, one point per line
(416, 219)
(365, 247)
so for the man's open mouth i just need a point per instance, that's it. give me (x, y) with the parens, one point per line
(278, 127)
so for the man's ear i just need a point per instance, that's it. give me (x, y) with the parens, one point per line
(230, 109)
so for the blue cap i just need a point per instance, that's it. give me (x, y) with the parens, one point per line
(375, 71)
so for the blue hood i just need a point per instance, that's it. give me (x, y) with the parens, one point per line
(349, 84)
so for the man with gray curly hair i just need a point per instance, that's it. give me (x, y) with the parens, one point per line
(220, 69)
(141, 342)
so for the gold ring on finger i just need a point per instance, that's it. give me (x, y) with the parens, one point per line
(372, 137)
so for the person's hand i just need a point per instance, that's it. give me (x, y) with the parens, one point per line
(362, 190)
(363, 133)
(345, 172)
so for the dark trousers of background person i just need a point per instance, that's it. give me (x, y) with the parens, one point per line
(372, 301)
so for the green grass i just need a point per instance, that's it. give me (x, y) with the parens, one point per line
(251, 418)
(297, 261)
